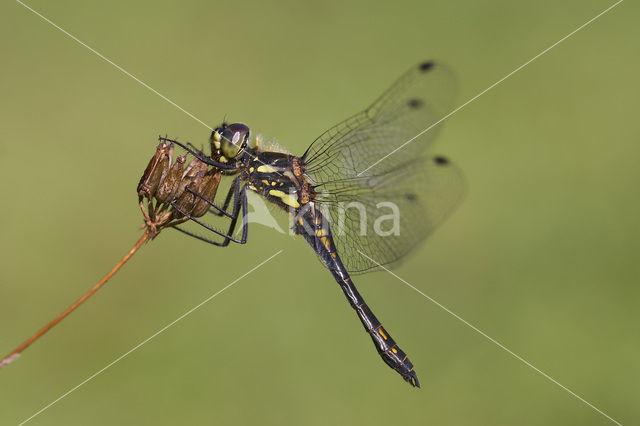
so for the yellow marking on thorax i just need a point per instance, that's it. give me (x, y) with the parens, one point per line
(321, 232)
(265, 168)
(251, 169)
(287, 199)
(266, 182)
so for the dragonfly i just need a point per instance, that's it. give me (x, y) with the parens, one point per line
(363, 195)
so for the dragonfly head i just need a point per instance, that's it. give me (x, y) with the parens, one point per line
(230, 139)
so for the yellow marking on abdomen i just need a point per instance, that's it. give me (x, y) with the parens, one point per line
(265, 168)
(394, 350)
(384, 336)
(321, 232)
(326, 242)
(286, 198)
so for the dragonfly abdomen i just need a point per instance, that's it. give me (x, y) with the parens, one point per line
(388, 349)
(316, 231)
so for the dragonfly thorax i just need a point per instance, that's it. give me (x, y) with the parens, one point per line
(280, 178)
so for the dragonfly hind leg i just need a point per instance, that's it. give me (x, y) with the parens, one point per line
(239, 209)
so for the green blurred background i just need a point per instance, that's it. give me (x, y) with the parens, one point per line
(542, 255)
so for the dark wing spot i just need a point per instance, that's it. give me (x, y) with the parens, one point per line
(441, 160)
(426, 66)
(410, 196)
(415, 103)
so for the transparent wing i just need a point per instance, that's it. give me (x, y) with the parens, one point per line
(414, 103)
(379, 214)
(381, 219)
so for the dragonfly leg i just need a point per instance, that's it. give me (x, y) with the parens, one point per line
(218, 211)
(199, 156)
(224, 211)
(239, 205)
(199, 237)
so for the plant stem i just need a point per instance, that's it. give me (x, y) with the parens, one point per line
(16, 353)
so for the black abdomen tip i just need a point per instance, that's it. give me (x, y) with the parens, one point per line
(412, 379)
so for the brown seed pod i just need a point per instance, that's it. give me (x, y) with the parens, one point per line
(187, 200)
(169, 188)
(208, 190)
(153, 173)
(169, 185)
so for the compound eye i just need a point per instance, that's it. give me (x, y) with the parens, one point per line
(233, 139)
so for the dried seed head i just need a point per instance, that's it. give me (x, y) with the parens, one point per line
(194, 167)
(207, 190)
(169, 185)
(153, 173)
(173, 191)
(187, 200)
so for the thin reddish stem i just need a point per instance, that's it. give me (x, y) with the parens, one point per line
(16, 353)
